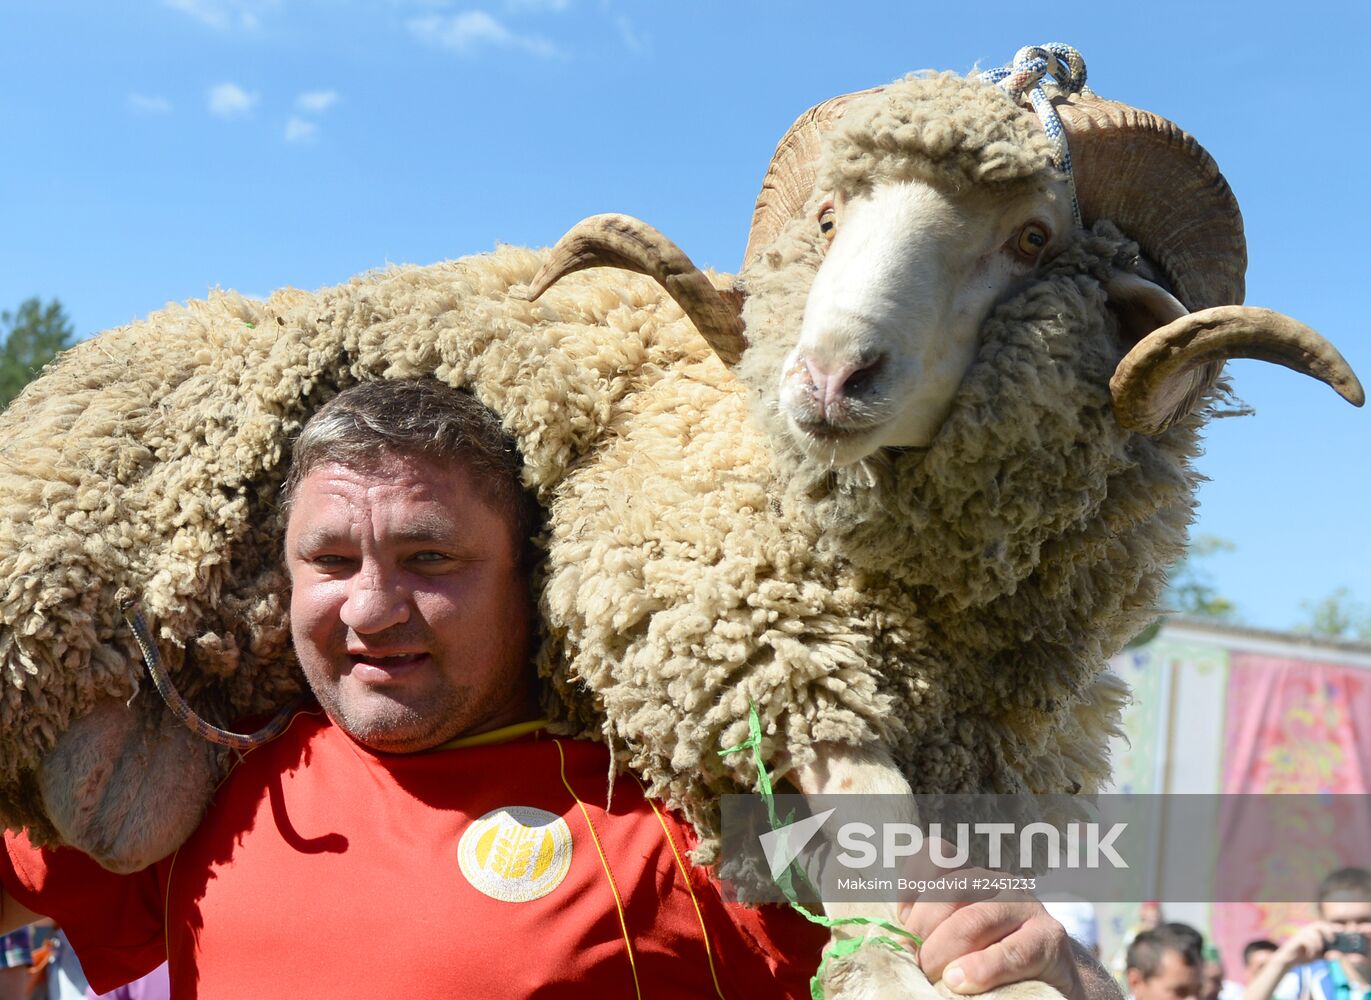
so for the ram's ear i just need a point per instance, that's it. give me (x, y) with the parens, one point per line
(1177, 355)
(1140, 305)
(1143, 307)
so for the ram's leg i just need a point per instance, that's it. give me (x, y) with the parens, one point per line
(873, 971)
(877, 971)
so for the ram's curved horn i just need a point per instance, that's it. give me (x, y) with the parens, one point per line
(1157, 183)
(790, 176)
(1161, 378)
(623, 241)
(1160, 186)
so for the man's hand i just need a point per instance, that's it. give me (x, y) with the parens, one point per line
(1305, 945)
(974, 946)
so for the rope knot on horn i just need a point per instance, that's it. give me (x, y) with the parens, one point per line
(1033, 69)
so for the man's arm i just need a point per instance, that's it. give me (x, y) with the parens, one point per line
(114, 922)
(1307, 944)
(14, 914)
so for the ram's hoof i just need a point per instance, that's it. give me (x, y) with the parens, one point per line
(874, 972)
(878, 973)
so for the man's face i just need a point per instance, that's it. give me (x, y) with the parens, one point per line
(1350, 916)
(1174, 980)
(1255, 961)
(409, 610)
(1211, 980)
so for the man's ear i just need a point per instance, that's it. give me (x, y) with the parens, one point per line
(1135, 979)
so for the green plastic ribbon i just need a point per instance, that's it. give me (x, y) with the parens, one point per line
(786, 880)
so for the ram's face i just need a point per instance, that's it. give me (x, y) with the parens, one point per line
(892, 321)
(949, 203)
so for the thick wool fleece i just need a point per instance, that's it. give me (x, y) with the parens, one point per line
(952, 132)
(151, 457)
(955, 603)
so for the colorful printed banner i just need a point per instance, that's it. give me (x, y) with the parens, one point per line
(1292, 726)
(1138, 760)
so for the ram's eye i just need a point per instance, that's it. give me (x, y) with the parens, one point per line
(828, 222)
(1032, 239)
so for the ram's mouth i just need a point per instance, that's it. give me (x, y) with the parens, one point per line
(824, 431)
(835, 444)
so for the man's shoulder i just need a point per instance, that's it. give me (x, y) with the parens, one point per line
(307, 724)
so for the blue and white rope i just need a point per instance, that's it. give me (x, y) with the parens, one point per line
(1066, 69)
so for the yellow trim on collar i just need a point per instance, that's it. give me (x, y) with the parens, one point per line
(502, 735)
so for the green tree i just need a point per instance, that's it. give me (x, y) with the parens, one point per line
(1336, 616)
(1191, 590)
(33, 335)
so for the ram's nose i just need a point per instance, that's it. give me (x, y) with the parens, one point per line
(832, 385)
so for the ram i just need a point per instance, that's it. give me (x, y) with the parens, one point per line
(927, 481)
(979, 360)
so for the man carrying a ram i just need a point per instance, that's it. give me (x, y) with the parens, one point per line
(423, 792)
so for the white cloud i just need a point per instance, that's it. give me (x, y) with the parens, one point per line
(536, 6)
(464, 32)
(209, 14)
(316, 102)
(299, 130)
(633, 41)
(221, 15)
(149, 105)
(228, 100)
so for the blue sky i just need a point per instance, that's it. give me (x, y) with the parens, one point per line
(153, 150)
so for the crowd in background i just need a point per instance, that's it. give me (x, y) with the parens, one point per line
(1325, 959)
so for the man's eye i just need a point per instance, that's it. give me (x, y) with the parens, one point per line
(431, 557)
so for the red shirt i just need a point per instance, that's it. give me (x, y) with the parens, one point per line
(324, 869)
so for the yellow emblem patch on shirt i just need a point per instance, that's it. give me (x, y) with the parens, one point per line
(516, 853)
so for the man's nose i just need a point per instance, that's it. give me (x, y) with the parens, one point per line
(376, 601)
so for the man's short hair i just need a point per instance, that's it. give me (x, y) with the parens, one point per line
(1194, 939)
(1346, 883)
(1147, 949)
(419, 418)
(1252, 947)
